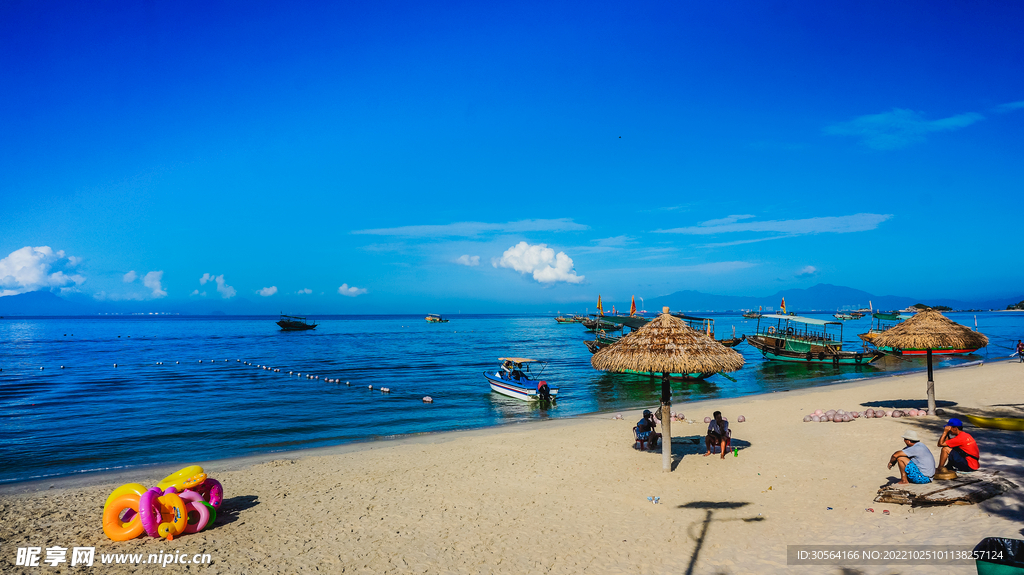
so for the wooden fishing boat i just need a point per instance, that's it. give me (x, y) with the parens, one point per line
(599, 324)
(570, 319)
(514, 379)
(435, 318)
(1007, 423)
(751, 314)
(884, 321)
(805, 340)
(295, 323)
(844, 316)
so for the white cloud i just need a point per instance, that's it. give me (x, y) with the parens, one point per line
(30, 269)
(152, 281)
(899, 128)
(129, 277)
(268, 291)
(1009, 107)
(828, 224)
(196, 292)
(471, 229)
(807, 271)
(305, 291)
(352, 291)
(225, 290)
(541, 261)
(467, 260)
(726, 220)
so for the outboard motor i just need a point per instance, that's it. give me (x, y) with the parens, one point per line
(543, 391)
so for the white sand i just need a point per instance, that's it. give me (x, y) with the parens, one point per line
(570, 496)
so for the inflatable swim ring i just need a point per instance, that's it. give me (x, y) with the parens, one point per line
(197, 511)
(212, 491)
(136, 488)
(149, 511)
(183, 479)
(174, 508)
(114, 526)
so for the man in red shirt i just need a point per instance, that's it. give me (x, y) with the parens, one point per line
(958, 447)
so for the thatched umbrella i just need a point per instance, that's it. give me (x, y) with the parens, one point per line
(930, 330)
(667, 345)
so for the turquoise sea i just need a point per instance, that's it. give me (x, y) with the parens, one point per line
(180, 394)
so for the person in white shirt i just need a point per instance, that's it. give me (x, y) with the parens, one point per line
(718, 433)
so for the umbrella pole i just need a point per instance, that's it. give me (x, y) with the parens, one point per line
(931, 386)
(666, 424)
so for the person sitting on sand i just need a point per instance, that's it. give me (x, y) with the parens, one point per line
(645, 430)
(958, 448)
(718, 433)
(1020, 351)
(915, 460)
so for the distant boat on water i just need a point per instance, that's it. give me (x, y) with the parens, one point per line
(295, 323)
(787, 337)
(435, 318)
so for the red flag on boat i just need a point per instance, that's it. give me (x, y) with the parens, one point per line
(600, 310)
(632, 306)
(783, 306)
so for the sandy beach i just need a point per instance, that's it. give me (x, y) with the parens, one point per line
(571, 496)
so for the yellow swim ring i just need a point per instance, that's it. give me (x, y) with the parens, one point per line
(183, 479)
(135, 488)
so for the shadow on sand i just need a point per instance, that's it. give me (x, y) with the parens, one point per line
(709, 508)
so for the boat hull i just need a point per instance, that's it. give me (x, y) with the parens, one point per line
(781, 349)
(870, 337)
(524, 392)
(1007, 423)
(295, 326)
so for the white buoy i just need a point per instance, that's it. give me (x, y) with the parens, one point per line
(428, 399)
(369, 387)
(347, 383)
(115, 365)
(200, 361)
(62, 367)
(177, 362)
(40, 369)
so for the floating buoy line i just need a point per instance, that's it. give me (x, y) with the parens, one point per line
(310, 376)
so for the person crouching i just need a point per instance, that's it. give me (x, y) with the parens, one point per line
(916, 463)
(645, 430)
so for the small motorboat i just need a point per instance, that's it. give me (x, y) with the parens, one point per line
(514, 379)
(295, 323)
(435, 318)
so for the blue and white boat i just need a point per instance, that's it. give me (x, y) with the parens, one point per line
(514, 379)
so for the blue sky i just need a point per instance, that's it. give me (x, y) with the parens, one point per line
(403, 156)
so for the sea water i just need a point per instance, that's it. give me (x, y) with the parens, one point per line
(179, 392)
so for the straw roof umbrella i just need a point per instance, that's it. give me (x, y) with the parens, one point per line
(930, 330)
(667, 345)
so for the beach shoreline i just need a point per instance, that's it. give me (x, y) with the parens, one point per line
(571, 495)
(125, 474)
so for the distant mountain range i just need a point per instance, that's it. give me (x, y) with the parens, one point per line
(822, 297)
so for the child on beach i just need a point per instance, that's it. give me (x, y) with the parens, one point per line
(958, 448)
(916, 463)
